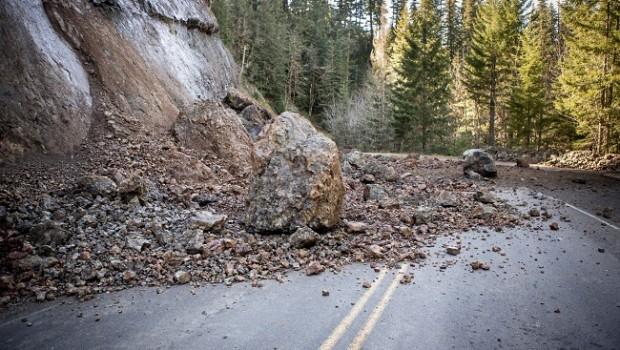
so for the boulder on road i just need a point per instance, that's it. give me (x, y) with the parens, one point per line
(297, 178)
(480, 162)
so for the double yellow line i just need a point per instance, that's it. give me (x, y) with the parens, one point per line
(344, 325)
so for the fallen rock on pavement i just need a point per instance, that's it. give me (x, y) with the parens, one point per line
(298, 180)
(480, 162)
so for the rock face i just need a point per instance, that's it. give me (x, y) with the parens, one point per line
(297, 180)
(212, 128)
(147, 60)
(480, 162)
(45, 100)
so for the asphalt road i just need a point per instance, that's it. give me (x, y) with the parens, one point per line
(550, 290)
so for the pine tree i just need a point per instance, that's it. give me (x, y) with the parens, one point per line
(532, 101)
(590, 76)
(421, 89)
(491, 59)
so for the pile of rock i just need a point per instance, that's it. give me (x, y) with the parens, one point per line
(586, 160)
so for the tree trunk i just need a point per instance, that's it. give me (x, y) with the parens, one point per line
(492, 103)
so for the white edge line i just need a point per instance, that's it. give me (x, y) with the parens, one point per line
(593, 216)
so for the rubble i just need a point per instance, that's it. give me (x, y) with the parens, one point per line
(60, 239)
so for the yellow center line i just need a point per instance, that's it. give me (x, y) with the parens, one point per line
(346, 322)
(363, 334)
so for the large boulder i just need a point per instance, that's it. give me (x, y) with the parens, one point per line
(216, 130)
(297, 180)
(479, 162)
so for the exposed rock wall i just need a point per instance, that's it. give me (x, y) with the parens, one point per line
(45, 100)
(149, 58)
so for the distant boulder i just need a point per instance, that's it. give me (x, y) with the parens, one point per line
(479, 162)
(297, 178)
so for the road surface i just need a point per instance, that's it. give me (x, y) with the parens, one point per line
(550, 290)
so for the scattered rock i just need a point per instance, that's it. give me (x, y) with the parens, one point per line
(314, 268)
(480, 162)
(523, 162)
(554, 226)
(375, 251)
(325, 293)
(356, 227)
(304, 237)
(373, 192)
(534, 212)
(182, 277)
(447, 199)
(97, 185)
(137, 242)
(601, 250)
(453, 250)
(423, 215)
(484, 197)
(366, 284)
(209, 221)
(479, 265)
(608, 213)
(406, 279)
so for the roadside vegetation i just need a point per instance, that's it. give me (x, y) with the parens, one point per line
(437, 75)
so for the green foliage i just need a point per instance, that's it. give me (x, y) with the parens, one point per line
(421, 88)
(590, 80)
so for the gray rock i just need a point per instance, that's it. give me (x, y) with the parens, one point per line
(195, 240)
(484, 197)
(304, 237)
(182, 277)
(423, 215)
(374, 192)
(97, 185)
(447, 199)
(480, 162)
(137, 242)
(297, 180)
(356, 227)
(209, 221)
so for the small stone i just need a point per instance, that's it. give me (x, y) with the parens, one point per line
(366, 284)
(325, 292)
(496, 249)
(484, 197)
(314, 268)
(534, 212)
(453, 250)
(208, 220)
(129, 275)
(423, 215)
(557, 311)
(182, 277)
(406, 279)
(601, 250)
(304, 237)
(356, 227)
(137, 242)
(479, 265)
(608, 213)
(554, 226)
(375, 251)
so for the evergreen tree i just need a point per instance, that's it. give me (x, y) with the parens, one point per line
(421, 89)
(532, 101)
(491, 59)
(590, 76)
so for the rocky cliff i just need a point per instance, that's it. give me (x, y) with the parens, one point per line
(130, 66)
